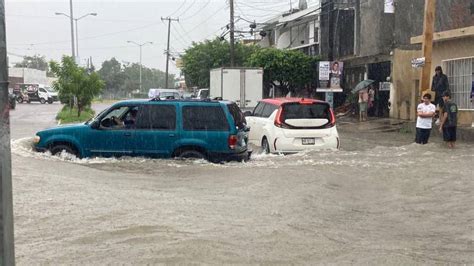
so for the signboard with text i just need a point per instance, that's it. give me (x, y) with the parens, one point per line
(330, 76)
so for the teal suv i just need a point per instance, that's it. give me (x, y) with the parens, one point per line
(213, 130)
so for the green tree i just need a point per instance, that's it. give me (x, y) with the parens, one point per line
(201, 57)
(75, 82)
(286, 70)
(122, 79)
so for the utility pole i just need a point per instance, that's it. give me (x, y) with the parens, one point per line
(71, 18)
(7, 250)
(77, 34)
(428, 29)
(231, 29)
(168, 47)
(140, 45)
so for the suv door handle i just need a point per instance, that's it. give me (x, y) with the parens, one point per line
(127, 134)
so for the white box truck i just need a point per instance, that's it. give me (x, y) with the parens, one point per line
(241, 85)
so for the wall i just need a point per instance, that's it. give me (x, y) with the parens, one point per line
(450, 14)
(29, 75)
(404, 79)
(376, 28)
(456, 48)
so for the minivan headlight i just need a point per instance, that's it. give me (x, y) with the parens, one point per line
(36, 139)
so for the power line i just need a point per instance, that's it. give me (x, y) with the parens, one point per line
(186, 10)
(197, 12)
(93, 37)
(178, 9)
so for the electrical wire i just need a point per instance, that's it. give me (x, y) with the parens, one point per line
(197, 12)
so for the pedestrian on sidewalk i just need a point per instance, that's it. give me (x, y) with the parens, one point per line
(449, 120)
(425, 112)
(363, 100)
(439, 85)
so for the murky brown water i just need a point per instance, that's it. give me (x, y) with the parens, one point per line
(380, 200)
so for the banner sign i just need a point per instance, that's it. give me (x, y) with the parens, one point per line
(418, 62)
(330, 76)
(389, 7)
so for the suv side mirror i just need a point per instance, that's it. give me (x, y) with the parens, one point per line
(248, 113)
(95, 125)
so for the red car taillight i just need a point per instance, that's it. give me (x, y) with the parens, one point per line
(232, 141)
(332, 122)
(279, 119)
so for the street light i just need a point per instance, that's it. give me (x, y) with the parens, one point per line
(140, 45)
(76, 19)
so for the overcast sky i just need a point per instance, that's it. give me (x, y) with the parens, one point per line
(33, 27)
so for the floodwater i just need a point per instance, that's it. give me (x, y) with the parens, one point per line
(380, 199)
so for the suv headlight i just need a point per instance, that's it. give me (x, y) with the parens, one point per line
(36, 139)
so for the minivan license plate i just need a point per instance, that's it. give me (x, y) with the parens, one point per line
(307, 141)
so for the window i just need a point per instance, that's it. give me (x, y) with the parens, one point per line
(206, 118)
(156, 116)
(460, 74)
(236, 113)
(259, 109)
(268, 110)
(117, 112)
(305, 111)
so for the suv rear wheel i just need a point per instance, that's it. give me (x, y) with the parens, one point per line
(191, 154)
(58, 148)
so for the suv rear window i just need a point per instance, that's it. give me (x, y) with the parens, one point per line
(153, 116)
(306, 111)
(205, 118)
(238, 116)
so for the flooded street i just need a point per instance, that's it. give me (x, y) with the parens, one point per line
(381, 200)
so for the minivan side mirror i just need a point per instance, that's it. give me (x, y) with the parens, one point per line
(248, 113)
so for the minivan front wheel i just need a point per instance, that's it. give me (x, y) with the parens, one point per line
(191, 154)
(265, 146)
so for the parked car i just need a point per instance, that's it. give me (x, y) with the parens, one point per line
(36, 93)
(289, 125)
(164, 94)
(213, 130)
(12, 100)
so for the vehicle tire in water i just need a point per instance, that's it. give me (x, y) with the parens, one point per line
(191, 154)
(42, 101)
(57, 149)
(265, 146)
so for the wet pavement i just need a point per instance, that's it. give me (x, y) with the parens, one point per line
(381, 200)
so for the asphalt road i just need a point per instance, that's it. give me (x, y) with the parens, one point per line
(380, 200)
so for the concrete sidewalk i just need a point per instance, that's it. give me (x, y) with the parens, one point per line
(465, 134)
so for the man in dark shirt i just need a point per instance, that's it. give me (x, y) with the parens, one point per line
(449, 120)
(439, 85)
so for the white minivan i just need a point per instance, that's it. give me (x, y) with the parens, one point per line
(290, 125)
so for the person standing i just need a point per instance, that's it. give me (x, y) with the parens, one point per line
(449, 120)
(439, 85)
(425, 112)
(363, 99)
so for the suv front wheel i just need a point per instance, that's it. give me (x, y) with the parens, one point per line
(57, 149)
